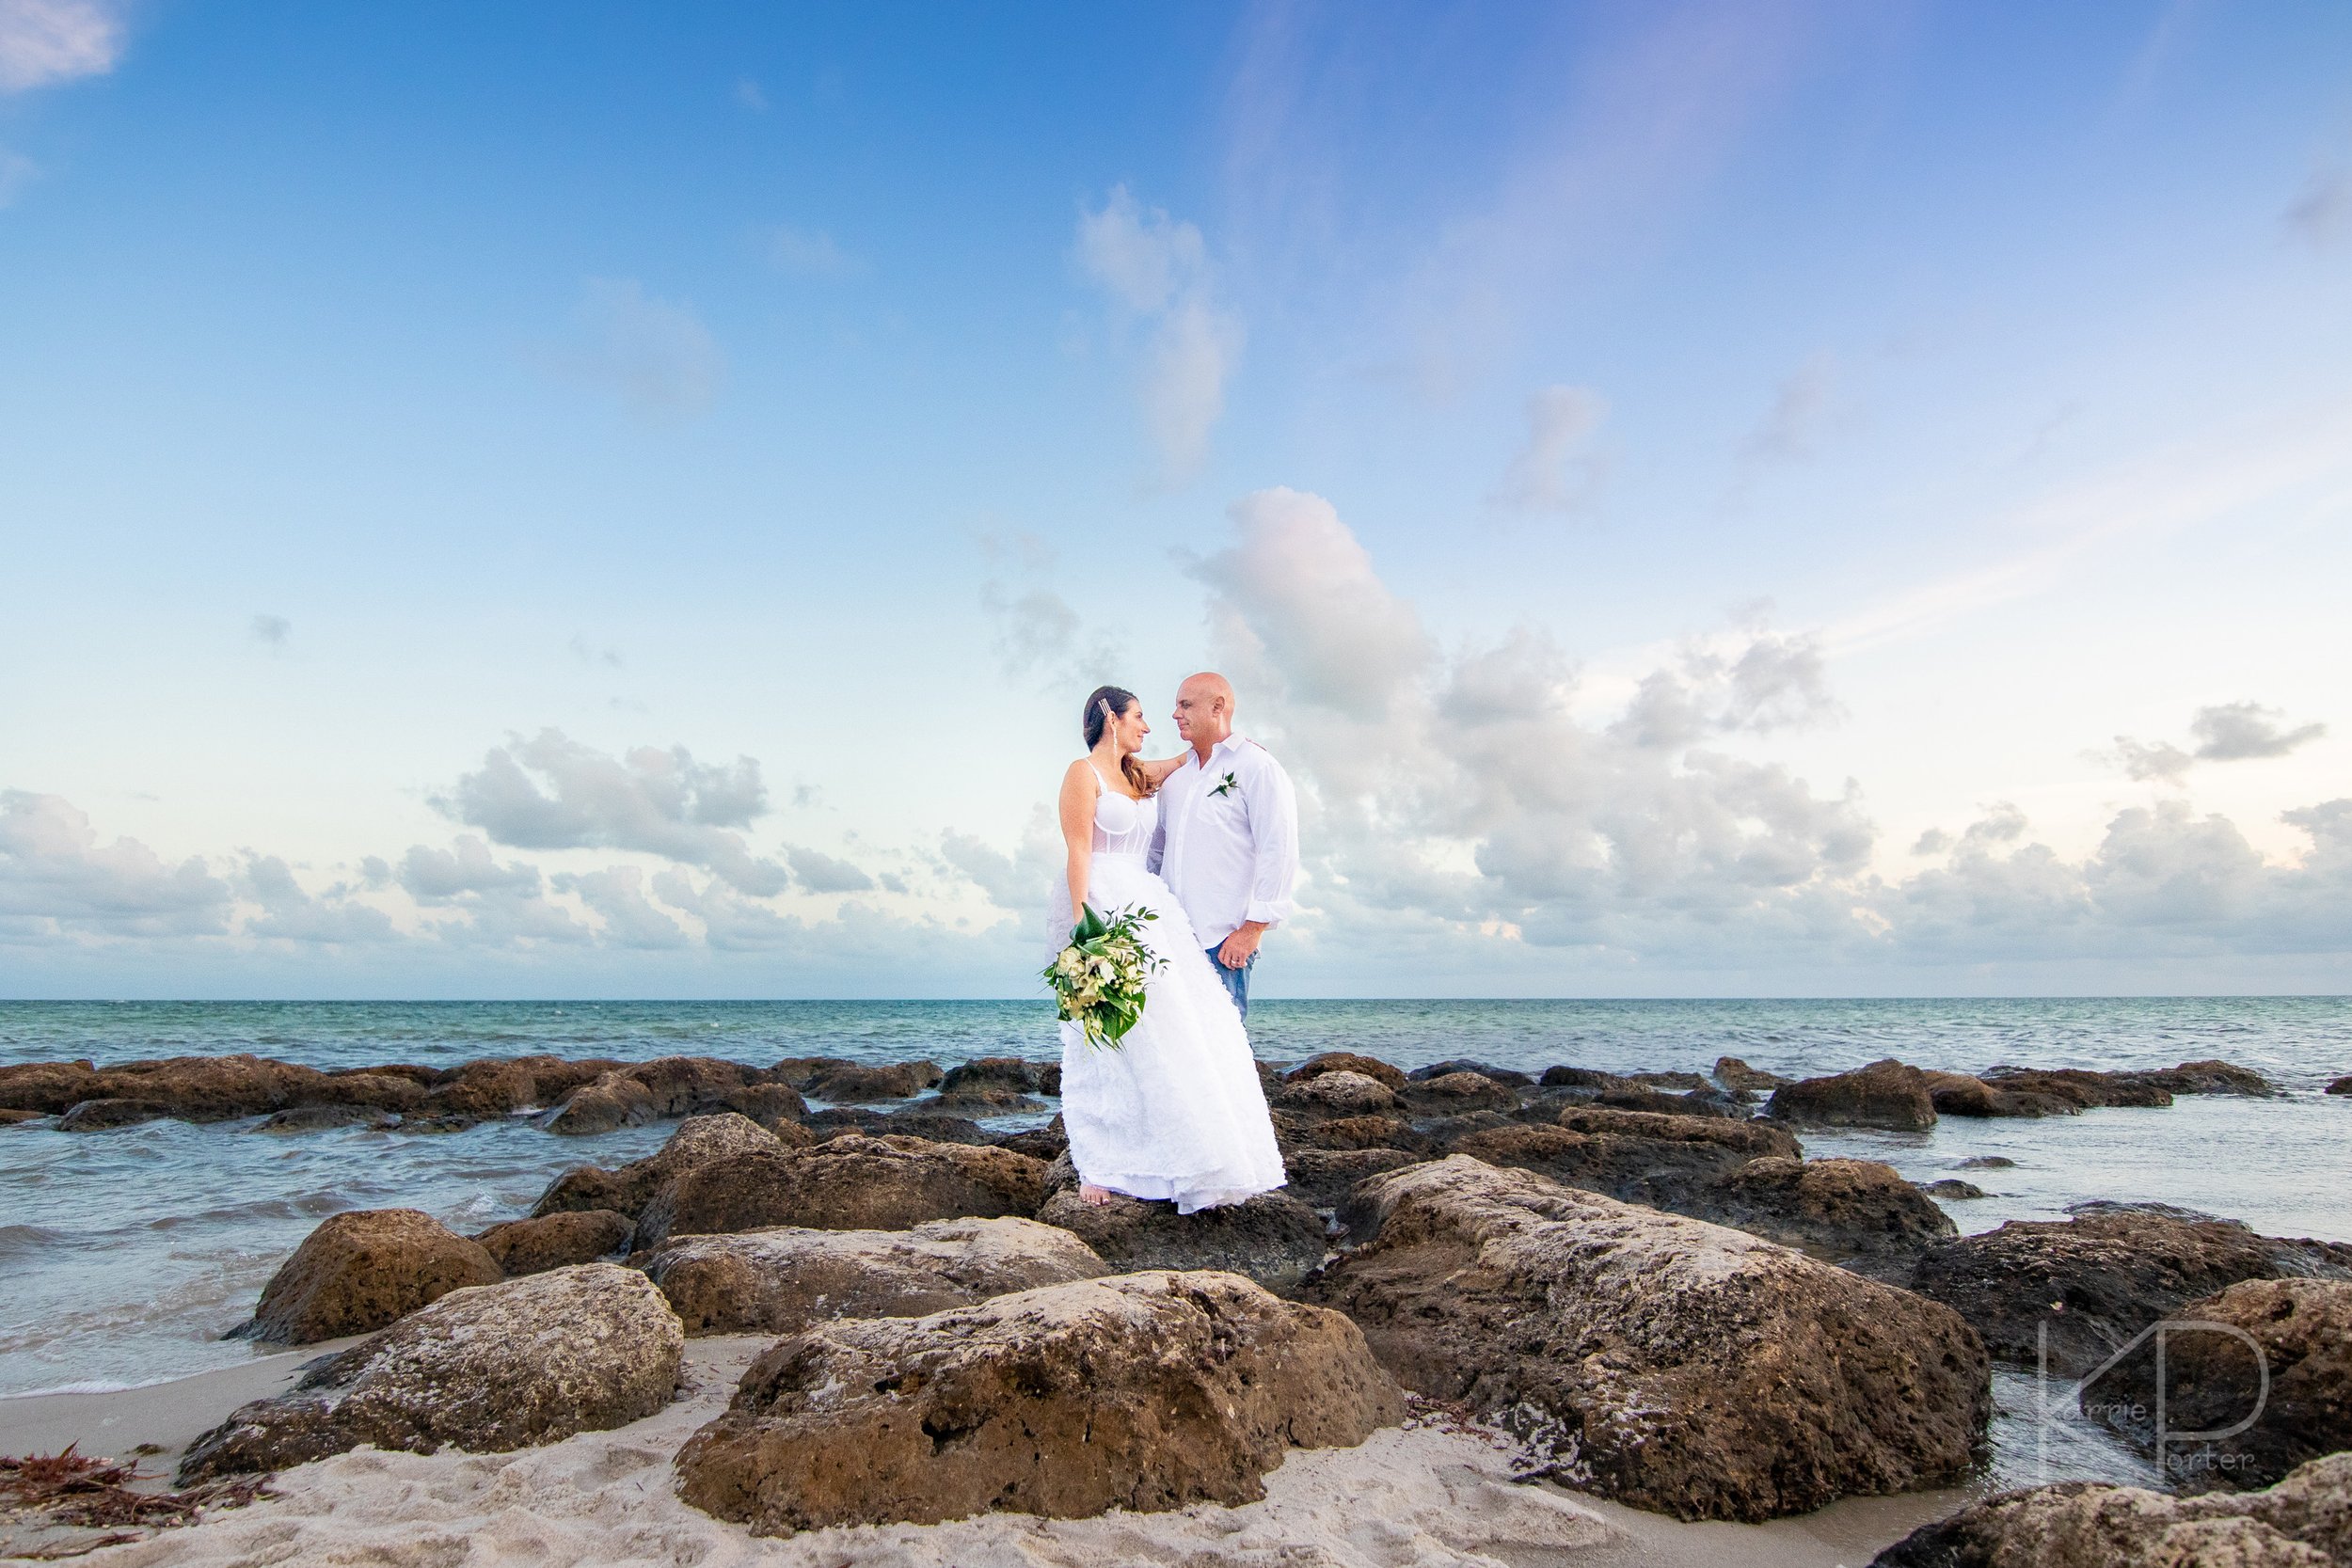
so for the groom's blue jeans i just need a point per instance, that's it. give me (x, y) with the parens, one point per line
(1236, 980)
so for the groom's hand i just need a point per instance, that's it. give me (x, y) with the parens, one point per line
(1242, 945)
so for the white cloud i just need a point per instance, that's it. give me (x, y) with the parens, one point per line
(809, 254)
(550, 792)
(502, 904)
(821, 873)
(1794, 426)
(655, 354)
(1157, 269)
(2225, 732)
(54, 876)
(731, 923)
(1039, 635)
(45, 42)
(618, 895)
(292, 914)
(1554, 472)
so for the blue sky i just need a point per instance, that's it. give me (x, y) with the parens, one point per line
(1708, 498)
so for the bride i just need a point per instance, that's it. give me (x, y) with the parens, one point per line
(1176, 1111)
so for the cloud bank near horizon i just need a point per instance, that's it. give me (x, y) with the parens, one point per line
(1465, 805)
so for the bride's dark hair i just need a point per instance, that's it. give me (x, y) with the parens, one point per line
(1105, 704)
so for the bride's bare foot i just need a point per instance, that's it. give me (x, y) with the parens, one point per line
(1094, 1196)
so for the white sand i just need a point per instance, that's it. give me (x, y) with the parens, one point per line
(1419, 1497)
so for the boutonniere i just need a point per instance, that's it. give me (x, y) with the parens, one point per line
(1230, 784)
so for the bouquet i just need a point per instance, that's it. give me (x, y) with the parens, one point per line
(1098, 980)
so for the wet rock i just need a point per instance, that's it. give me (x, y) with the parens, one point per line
(1952, 1189)
(1669, 1168)
(1453, 1093)
(1393, 1078)
(1591, 1079)
(849, 1184)
(848, 1082)
(1008, 1074)
(978, 1102)
(1047, 1143)
(2095, 1281)
(934, 1127)
(1338, 1092)
(847, 1118)
(324, 1118)
(1273, 1237)
(1884, 1094)
(1682, 1083)
(514, 1364)
(1957, 1094)
(1733, 1074)
(1322, 1179)
(2290, 1376)
(47, 1088)
(1679, 1366)
(2083, 1089)
(488, 1089)
(2341, 1085)
(97, 1115)
(2305, 1521)
(2207, 1077)
(361, 1270)
(17, 1119)
(1145, 1392)
(556, 1241)
(645, 1092)
(373, 1090)
(1988, 1161)
(1699, 1103)
(783, 1280)
(1372, 1131)
(1858, 1212)
(1510, 1077)
(628, 1190)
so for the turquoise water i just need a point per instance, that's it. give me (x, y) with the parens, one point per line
(128, 1253)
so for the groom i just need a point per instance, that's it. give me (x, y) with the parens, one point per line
(1228, 839)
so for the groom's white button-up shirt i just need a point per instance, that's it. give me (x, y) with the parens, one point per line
(1229, 850)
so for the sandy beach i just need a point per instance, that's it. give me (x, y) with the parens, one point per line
(1425, 1496)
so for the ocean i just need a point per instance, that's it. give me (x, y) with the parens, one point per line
(128, 1253)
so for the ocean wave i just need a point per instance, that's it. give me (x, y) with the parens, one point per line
(19, 1240)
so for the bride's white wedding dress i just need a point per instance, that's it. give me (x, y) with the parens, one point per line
(1176, 1111)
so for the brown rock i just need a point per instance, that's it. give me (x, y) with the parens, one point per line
(848, 1082)
(1004, 1074)
(1393, 1078)
(1145, 1392)
(628, 1191)
(1273, 1238)
(2341, 1085)
(1952, 1189)
(1510, 1077)
(1957, 1094)
(1884, 1094)
(2207, 1077)
(2093, 1282)
(518, 1363)
(933, 1126)
(1857, 1213)
(850, 1184)
(1456, 1092)
(17, 1119)
(324, 1119)
(1378, 1132)
(362, 1270)
(1322, 1177)
(2303, 1522)
(99, 1116)
(644, 1092)
(1047, 1143)
(378, 1091)
(47, 1088)
(556, 1241)
(1333, 1093)
(2085, 1090)
(1733, 1074)
(2286, 1370)
(1677, 1365)
(783, 1280)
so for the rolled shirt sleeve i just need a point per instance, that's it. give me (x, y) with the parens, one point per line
(1274, 830)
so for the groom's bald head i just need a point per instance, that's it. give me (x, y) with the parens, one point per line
(1204, 710)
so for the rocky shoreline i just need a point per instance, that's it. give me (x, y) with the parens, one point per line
(1641, 1280)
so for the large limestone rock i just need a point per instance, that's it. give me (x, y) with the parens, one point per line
(849, 1184)
(2085, 1090)
(557, 1241)
(1323, 1179)
(1390, 1077)
(652, 1091)
(838, 1082)
(504, 1367)
(2290, 1376)
(781, 1281)
(1884, 1094)
(1677, 1365)
(626, 1191)
(1958, 1094)
(1453, 1093)
(1636, 1156)
(477, 1091)
(362, 1270)
(2303, 1522)
(2089, 1284)
(1001, 1075)
(1736, 1075)
(1335, 1093)
(1273, 1238)
(1143, 1391)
